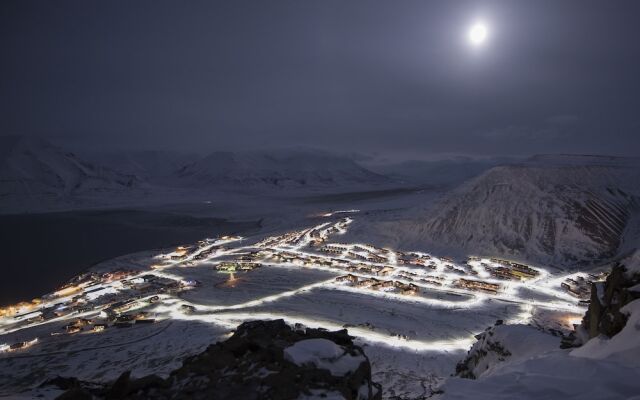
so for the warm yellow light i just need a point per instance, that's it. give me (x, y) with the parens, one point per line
(574, 319)
(67, 291)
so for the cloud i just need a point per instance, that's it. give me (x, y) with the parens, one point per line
(551, 128)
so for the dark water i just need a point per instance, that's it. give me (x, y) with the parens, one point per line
(39, 252)
(364, 195)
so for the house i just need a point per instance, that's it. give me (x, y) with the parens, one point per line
(186, 308)
(145, 321)
(478, 285)
(410, 289)
(386, 271)
(347, 278)
(73, 328)
(227, 266)
(368, 282)
(23, 345)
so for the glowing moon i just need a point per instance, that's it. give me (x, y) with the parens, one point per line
(478, 33)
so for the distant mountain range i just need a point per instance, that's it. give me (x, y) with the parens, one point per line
(33, 172)
(36, 175)
(555, 209)
(278, 169)
(148, 166)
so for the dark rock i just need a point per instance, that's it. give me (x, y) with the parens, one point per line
(62, 383)
(486, 344)
(251, 364)
(75, 394)
(603, 316)
(120, 387)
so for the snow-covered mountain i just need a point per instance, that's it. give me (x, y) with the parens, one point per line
(36, 176)
(33, 171)
(562, 210)
(154, 166)
(277, 169)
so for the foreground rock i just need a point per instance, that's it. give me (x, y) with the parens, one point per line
(606, 315)
(262, 360)
(501, 345)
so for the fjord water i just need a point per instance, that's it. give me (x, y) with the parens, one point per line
(42, 251)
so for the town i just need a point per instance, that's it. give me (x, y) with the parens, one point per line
(96, 302)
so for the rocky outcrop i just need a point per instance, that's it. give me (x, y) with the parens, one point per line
(503, 343)
(471, 365)
(604, 316)
(262, 360)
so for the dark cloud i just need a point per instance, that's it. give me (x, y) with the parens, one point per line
(384, 76)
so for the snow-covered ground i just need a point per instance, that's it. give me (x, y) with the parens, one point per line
(415, 320)
(413, 335)
(537, 369)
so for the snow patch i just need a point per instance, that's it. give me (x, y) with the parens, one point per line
(601, 369)
(623, 347)
(323, 354)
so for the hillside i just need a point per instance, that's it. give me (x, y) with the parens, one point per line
(559, 210)
(149, 166)
(35, 172)
(36, 176)
(277, 169)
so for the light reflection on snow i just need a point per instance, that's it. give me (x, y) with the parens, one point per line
(299, 245)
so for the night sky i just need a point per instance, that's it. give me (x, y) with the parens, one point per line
(392, 77)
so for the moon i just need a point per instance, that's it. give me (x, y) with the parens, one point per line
(478, 33)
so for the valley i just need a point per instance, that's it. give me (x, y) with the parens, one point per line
(138, 308)
(417, 272)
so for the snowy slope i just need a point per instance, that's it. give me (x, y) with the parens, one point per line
(277, 169)
(600, 369)
(32, 170)
(563, 210)
(624, 347)
(154, 166)
(501, 345)
(36, 176)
